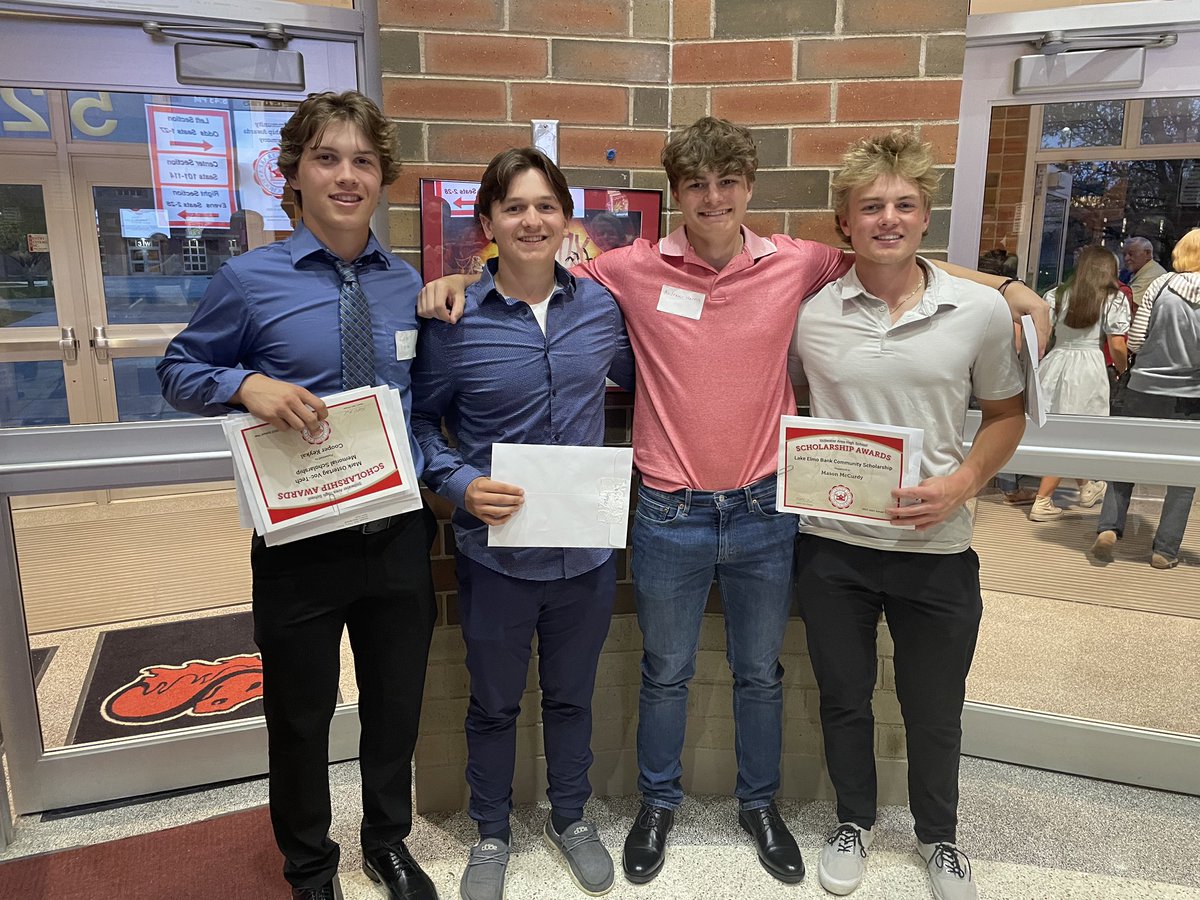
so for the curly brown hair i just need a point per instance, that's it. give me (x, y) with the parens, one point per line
(710, 145)
(308, 123)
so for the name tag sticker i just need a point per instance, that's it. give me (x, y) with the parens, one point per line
(406, 344)
(679, 302)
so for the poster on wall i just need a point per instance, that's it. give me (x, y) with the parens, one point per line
(605, 218)
(256, 136)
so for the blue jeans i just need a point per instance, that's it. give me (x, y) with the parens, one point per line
(1178, 502)
(681, 542)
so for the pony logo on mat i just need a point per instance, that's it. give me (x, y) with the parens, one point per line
(199, 687)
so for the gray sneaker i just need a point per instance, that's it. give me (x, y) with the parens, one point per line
(483, 878)
(844, 858)
(949, 871)
(586, 859)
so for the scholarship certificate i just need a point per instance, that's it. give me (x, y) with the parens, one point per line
(845, 470)
(355, 468)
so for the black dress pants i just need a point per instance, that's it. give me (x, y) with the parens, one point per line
(379, 588)
(933, 608)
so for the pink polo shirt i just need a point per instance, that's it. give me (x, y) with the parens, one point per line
(711, 351)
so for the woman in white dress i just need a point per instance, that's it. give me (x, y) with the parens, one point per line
(1073, 374)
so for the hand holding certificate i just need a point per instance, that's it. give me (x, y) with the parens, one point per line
(845, 470)
(357, 468)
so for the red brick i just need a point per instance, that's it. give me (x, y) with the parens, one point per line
(766, 223)
(824, 146)
(588, 146)
(584, 104)
(444, 578)
(693, 19)
(610, 17)
(877, 16)
(474, 143)
(468, 15)
(427, 98)
(815, 225)
(404, 191)
(772, 104)
(727, 62)
(858, 57)
(944, 139)
(891, 101)
(479, 55)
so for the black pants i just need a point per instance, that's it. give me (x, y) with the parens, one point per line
(379, 588)
(933, 607)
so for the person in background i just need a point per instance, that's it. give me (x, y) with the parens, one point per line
(327, 309)
(1164, 384)
(1143, 268)
(947, 340)
(1074, 378)
(526, 365)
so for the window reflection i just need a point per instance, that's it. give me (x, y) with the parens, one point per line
(1091, 124)
(1171, 120)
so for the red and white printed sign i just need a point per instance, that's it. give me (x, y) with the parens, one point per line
(192, 163)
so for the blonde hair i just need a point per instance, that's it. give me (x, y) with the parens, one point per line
(899, 153)
(1186, 255)
(308, 123)
(710, 145)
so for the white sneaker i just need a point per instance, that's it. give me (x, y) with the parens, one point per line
(844, 858)
(949, 871)
(1044, 510)
(1091, 493)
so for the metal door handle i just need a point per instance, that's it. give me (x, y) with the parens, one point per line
(69, 344)
(100, 341)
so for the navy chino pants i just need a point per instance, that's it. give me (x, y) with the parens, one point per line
(500, 615)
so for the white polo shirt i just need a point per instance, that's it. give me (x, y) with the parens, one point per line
(919, 372)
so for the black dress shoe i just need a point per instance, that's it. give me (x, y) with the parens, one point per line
(646, 846)
(398, 873)
(330, 890)
(777, 850)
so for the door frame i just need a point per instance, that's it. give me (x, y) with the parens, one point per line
(340, 52)
(1158, 452)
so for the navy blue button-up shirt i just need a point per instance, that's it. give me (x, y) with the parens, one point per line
(496, 377)
(274, 311)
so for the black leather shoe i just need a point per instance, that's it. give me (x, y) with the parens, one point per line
(777, 850)
(646, 845)
(394, 869)
(330, 890)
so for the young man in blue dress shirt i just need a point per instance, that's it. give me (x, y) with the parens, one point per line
(264, 340)
(527, 365)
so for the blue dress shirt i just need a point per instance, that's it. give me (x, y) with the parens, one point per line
(495, 377)
(274, 311)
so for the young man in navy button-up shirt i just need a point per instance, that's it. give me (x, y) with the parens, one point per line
(527, 365)
(265, 340)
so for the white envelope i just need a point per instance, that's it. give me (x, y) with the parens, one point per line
(1035, 399)
(574, 496)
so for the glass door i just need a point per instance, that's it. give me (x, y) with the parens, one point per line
(127, 662)
(1083, 660)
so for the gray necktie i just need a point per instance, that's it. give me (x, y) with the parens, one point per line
(354, 318)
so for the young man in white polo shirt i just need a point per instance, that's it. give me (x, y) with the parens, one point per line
(896, 341)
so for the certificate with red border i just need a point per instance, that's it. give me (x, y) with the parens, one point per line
(844, 470)
(356, 466)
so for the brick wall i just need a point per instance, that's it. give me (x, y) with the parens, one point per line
(1004, 182)
(463, 78)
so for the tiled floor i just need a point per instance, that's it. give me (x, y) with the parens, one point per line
(1032, 835)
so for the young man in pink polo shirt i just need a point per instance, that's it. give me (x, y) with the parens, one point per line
(710, 311)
